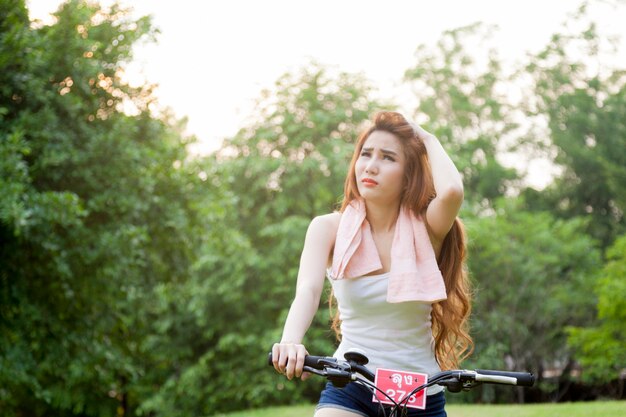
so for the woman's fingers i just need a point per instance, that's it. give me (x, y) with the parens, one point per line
(295, 360)
(288, 358)
(276, 356)
(419, 131)
(300, 355)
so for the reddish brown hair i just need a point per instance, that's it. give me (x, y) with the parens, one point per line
(449, 317)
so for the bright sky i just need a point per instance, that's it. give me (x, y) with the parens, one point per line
(213, 58)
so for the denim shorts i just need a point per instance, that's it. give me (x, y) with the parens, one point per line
(358, 399)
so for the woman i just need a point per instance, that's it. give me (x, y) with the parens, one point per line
(396, 257)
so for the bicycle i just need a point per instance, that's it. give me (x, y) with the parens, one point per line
(341, 372)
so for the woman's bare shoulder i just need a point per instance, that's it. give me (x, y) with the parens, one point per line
(329, 220)
(322, 233)
(326, 224)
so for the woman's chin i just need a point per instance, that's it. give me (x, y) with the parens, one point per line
(376, 198)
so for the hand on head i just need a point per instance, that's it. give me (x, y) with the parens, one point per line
(420, 133)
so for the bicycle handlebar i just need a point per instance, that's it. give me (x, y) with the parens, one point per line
(341, 372)
(466, 377)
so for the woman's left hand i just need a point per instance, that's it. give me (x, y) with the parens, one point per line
(420, 133)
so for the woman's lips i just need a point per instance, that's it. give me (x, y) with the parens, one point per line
(369, 181)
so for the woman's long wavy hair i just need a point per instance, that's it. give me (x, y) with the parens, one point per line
(452, 342)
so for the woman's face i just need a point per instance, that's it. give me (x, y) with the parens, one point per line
(379, 170)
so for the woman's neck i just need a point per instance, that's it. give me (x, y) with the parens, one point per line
(382, 217)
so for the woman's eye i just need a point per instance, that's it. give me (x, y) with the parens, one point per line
(389, 158)
(365, 153)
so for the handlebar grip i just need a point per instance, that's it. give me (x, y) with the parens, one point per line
(524, 379)
(315, 362)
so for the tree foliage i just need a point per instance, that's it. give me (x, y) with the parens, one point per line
(601, 349)
(533, 275)
(94, 214)
(584, 103)
(463, 98)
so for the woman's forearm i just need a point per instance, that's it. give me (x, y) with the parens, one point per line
(288, 355)
(300, 317)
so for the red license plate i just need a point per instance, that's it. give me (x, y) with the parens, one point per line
(399, 384)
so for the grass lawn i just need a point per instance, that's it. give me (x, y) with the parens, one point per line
(587, 409)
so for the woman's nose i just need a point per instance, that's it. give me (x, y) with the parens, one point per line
(372, 166)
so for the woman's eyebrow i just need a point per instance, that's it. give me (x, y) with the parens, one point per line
(385, 151)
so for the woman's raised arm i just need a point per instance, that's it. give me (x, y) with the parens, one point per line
(444, 208)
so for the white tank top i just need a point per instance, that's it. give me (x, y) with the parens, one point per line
(393, 335)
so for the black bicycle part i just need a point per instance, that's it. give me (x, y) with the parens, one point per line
(340, 373)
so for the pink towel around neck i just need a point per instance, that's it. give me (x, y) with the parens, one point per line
(414, 274)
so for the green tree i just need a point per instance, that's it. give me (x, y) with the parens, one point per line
(601, 350)
(463, 100)
(584, 103)
(533, 276)
(194, 320)
(97, 210)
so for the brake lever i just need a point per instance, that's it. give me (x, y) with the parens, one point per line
(458, 385)
(338, 377)
(452, 384)
(329, 363)
(314, 371)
